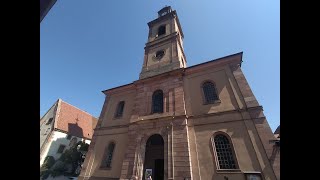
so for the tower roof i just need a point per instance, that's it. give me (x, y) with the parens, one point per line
(166, 13)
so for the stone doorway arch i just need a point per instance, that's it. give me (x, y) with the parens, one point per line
(154, 157)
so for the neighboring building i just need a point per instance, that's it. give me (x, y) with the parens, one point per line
(63, 126)
(45, 6)
(177, 122)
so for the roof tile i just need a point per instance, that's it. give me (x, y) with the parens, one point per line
(75, 121)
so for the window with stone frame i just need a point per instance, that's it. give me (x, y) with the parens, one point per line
(119, 110)
(157, 102)
(108, 156)
(209, 92)
(224, 152)
(162, 30)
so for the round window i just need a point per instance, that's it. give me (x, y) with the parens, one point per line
(159, 54)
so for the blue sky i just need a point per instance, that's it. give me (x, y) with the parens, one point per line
(90, 46)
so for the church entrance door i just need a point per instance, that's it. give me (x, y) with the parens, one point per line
(154, 158)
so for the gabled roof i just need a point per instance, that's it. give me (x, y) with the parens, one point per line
(74, 121)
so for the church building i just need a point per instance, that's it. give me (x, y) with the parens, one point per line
(181, 123)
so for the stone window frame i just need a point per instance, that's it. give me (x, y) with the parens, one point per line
(116, 115)
(103, 164)
(237, 169)
(152, 104)
(204, 101)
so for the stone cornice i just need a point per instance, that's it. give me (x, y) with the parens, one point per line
(118, 89)
(150, 118)
(159, 40)
(142, 121)
(175, 72)
(111, 127)
(132, 86)
(227, 60)
(225, 112)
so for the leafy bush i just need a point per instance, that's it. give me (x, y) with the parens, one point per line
(45, 171)
(70, 157)
(58, 169)
(44, 174)
(48, 162)
(84, 147)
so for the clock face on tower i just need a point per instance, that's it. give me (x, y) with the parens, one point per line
(159, 55)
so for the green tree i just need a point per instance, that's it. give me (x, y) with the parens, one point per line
(70, 156)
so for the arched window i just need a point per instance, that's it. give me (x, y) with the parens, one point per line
(157, 102)
(161, 30)
(224, 153)
(108, 156)
(119, 110)
(209, 91)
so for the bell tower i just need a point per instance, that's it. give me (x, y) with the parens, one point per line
(164, 48)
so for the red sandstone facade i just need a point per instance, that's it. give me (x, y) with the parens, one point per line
(187, 125)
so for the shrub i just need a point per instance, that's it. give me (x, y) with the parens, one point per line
(48, 162)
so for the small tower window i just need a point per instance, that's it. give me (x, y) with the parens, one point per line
(157, 102)
(161, 30)
(120, 108)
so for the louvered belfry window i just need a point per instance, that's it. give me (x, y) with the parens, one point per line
(161, 30)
